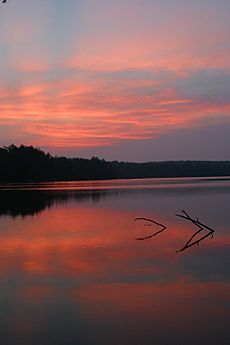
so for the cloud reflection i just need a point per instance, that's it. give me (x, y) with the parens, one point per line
(78, 264)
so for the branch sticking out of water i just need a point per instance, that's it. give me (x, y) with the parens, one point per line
(201, 227)
(152, 221)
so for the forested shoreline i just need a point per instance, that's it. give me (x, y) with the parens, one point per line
(27, 163)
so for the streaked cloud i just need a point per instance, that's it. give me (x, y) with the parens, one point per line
(96, 73)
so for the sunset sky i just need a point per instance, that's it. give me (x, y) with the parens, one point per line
(134, 80)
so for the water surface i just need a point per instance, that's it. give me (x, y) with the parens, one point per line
(72, 272)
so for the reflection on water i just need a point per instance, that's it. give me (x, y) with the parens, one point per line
(72, 272)
(23, 202)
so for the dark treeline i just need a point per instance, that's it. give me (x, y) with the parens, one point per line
(26, 163)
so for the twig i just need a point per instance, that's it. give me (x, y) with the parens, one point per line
(150, 236)
(201, 227)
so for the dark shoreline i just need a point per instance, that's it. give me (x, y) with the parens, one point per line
(192, 178)
(29, 164)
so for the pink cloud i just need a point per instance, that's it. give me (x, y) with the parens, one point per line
(117, 76)
(81, 113)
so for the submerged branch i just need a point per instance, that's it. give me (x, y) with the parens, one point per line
(201, 227)
(152, 221)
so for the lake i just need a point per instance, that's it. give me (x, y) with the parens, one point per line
(73, 269)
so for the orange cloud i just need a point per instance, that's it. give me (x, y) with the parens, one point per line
(107, 82)
(81, 114)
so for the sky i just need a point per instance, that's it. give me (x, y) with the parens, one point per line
(132, 80)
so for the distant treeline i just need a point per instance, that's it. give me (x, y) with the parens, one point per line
(27, 163)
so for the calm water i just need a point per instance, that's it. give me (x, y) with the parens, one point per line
(72, 271)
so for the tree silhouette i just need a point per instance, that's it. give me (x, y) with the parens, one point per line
(27, 163)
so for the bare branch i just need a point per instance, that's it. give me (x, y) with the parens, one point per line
(152, 221)
(201, 227)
